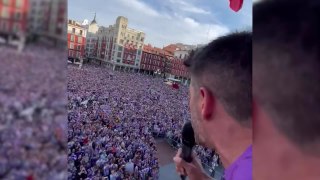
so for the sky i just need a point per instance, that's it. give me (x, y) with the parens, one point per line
(168, 21)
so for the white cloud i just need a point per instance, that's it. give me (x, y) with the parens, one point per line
(195, 10)
(185, 6)
(184, 30)
(161, 29)
(139, 6)
(191, 22)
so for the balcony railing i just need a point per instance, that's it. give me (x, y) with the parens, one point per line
(75, 33)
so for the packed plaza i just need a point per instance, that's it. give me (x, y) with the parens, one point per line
(33, 127)
(114, 118)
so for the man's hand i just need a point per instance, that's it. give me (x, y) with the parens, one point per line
(193, 170)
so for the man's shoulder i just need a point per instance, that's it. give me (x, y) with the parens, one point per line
(242, 168)
(243, 171)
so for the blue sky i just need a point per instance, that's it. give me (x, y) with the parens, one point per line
(168, 21)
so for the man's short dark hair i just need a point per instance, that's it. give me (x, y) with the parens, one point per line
(286, 66)
(225, 67)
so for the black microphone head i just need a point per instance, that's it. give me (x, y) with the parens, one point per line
(188, 135)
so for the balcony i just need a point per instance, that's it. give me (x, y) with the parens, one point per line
(75, 33)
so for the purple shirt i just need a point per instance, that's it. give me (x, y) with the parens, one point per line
(241, 169)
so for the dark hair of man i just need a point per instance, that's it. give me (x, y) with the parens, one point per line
(224, 67)
(286, 67)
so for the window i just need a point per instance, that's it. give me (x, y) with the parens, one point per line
(5, 2)
(16, 27)
(18, 3)
(120, 48)
(72, 38)
(79, 47)
(73, 30)
(80, 32)
(4, 26)
(121, 41)
(71, 45)
(79, 39)
(142, 39)
(17, 15)
(119, 54)
(5, 12)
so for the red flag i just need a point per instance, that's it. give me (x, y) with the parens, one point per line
(236, 5)
(175, 86)
(86, 140)
(30, 177)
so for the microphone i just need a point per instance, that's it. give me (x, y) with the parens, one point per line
(188, 142)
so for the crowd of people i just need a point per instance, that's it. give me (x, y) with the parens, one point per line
(33, 127)
(113, 118)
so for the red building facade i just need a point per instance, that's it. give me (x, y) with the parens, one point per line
(129, 54)
(177, 67)
(13, 16)
(152, 62)
(103, 47)
(76, 40)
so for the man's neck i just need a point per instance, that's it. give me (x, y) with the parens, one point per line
(232, 146)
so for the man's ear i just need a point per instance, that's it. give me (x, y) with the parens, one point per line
(207, 103)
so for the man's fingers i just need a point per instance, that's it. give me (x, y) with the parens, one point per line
(180, 163)
(178, 160)
(182, 167)
(178, 152)
(180, 171)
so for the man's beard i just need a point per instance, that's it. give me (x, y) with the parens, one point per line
(195, 126)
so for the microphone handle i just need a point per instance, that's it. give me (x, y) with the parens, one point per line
(186, 155)
(183, 177)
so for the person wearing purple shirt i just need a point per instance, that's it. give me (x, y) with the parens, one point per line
(241, 169)
(221, 106)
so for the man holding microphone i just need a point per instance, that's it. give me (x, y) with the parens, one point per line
(220, 104)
